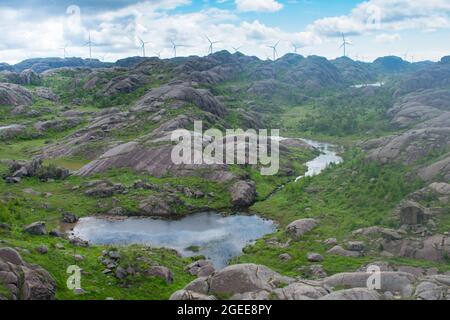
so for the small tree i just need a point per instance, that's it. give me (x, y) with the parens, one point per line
(5, 214)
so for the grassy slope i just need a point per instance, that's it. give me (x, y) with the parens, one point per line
(343, 198)
(96, 284)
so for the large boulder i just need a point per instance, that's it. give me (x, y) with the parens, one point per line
(242, 278)
(57, 125)
(155, 160)
(300, 291)
(190, 295)
(411, 146)
(256, 282)
(340, 251)
(14, 95)
(428, 290)
(160, 272)
(159, 206)
(26, 77)
(46, 93)
(243, 193)
(419, 106)
(11, 255)
(36, 229)
(353, 294)
(24, 281)
(440, 188)
(375, 231)
(436, 170)
(236, 280)
(202, 98)
(35, 168)
(122, 84)
(201, 268)
(299, 227)
(395, 282)
(432, 248)
(11, 131)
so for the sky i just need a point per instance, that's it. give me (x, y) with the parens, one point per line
(412, 29)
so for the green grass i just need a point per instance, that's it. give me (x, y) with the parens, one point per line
(20, 150)
(343, 198)
(4, 292)
(71, 163)
(268, 255)
(97, 285)
(356, 194)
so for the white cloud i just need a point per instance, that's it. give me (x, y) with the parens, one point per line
(115, 33)
(387, 15)
(387, 38)
(26, 34)
(258, 5)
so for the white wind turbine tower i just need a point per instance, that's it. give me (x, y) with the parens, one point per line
(64, 50)
(143, 43)
(275, 52)
(175, 46)
(296, 47)
(89, 43)
(211, 45)
(344, 44)
(158, 54)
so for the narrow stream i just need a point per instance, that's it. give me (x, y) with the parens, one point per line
(328, 155)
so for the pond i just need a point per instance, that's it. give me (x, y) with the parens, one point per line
(217, 237)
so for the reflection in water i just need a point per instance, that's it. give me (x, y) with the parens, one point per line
(365, 85)
(328, 156)
(218, 237)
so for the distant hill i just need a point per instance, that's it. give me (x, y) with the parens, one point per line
(40, 65)
(130, 62)
(293, 67)
(6, 67)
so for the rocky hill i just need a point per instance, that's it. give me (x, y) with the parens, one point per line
(81, 138)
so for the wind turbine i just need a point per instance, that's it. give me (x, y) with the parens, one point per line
(296, 47)
(143, 43)
(211, 45)
(274, 48)
(175, 46)
(158, 54)
(344, 44)
(236, 49)
(405, 56)
(89, 43)
(104, 57)
(64, 50)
